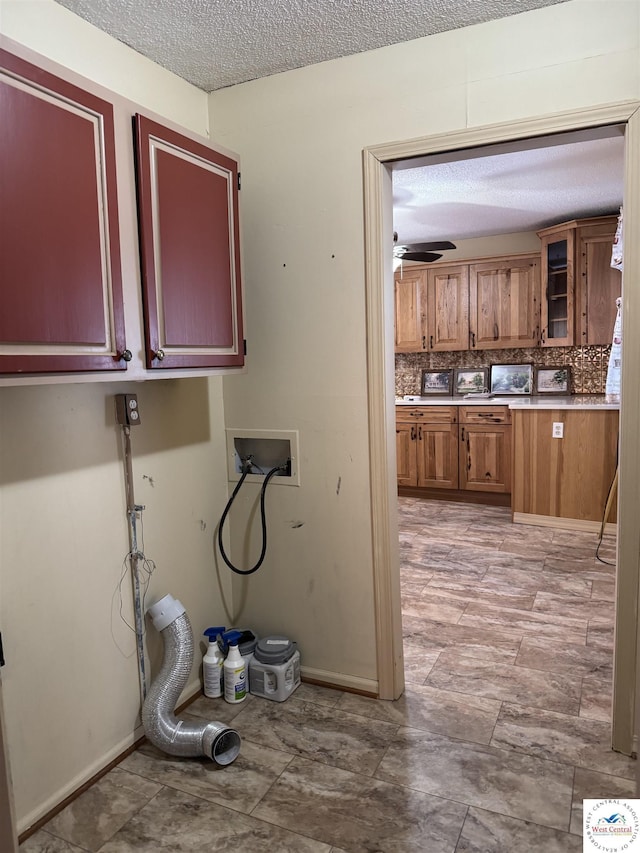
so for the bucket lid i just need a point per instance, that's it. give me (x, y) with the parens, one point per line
(274, 650)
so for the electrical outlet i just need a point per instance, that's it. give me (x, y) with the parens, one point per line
(558, 430)
(127, 410)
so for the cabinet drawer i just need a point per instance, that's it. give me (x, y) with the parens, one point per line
(427, 414)
(485, 415)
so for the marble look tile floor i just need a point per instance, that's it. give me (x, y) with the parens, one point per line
(502, 731)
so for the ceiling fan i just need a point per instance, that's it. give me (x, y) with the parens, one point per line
(425, 252)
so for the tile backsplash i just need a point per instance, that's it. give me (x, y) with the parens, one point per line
(588, 364)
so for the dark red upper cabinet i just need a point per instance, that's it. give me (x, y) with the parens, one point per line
(60, 276)
(189, 246)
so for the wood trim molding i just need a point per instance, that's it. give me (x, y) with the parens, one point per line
(579, 524)
(379, 300)
(382, 459)
(626, 681)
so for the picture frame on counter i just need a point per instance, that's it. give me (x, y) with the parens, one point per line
(553, 380)
(511, 379)
(470, 380)
(436, 383)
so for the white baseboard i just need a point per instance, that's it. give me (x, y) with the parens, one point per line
(78, 781)
(562, 523)
(94, 768)
(339, 679)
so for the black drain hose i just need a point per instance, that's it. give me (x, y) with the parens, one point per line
(247, 470)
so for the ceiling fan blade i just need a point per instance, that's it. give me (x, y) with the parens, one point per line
(425, 257)
(437, 246)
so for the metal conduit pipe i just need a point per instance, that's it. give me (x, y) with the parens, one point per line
(177, 737)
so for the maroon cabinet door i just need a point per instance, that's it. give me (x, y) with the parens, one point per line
(189, 246)
(60, 277)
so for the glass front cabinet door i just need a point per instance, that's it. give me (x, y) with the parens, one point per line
(557, 285)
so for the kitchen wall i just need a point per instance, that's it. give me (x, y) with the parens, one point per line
(70, 685)
(588, 364)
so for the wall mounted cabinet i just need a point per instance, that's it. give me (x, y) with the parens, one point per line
(190, 250)
(578, 286)
(60, 273)
(503, 297)
(565, 296)
(448, 308)
(599, 284)
(65, 156)
(491, 304)
(432, 309)
(410, 297)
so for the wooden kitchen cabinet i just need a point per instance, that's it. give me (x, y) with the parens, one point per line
(410, 296)
(448, 308)
(578, 286)
(485, 449)
(599, 285)
(432, 309)
(564, 478)
(60, 269)
(190, 250)
(557, 292)
(457, 450)
(504, 310)
(426, 446)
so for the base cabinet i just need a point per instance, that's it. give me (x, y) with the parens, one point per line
(427, 447)
(485, 449)
(568, 477)
(466, 448)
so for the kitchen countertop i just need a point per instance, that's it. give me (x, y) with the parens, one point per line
(587, 401)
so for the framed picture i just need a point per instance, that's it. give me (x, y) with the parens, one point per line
(470, 380)
(511, 379)
(436, 383)
(553, 380)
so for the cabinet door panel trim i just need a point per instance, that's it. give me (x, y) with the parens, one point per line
(67, 313)
(190, 252)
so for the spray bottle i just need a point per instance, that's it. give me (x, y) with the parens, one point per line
(235, 670)
(212, 665)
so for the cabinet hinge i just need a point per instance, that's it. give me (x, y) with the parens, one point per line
(239, 182)
(244, 343)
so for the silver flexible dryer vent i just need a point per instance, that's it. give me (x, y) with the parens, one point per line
(164, 730)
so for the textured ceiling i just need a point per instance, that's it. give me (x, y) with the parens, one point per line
(486, 193)
(218, 43)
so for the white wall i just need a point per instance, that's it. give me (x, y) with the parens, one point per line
(300, 135)
(70, 686)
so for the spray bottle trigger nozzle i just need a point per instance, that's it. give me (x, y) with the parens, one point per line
(213, 633)
(231, 637)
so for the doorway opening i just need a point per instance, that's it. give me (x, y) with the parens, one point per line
(378, 165)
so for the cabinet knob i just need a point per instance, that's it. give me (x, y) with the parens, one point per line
(125, 355)
(159, 354)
